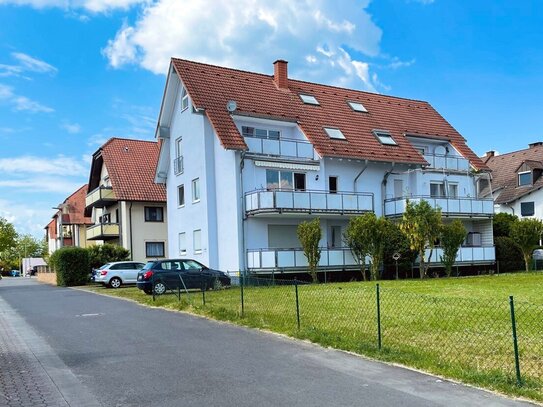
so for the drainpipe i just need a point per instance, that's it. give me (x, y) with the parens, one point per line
(242, 206)
(383, 187)
(359, 174)
(130, 234)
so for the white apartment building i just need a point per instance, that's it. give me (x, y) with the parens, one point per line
(246, 157)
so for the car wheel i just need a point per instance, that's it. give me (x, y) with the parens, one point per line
(159, 288)
(115, 282)
(217, 284)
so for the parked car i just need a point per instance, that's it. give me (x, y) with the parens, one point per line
(118, 273)
(171, 274)
(15, 273)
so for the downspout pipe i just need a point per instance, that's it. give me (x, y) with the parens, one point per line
(383, 187)
(130, 223)
(243, 220)
(359, 174)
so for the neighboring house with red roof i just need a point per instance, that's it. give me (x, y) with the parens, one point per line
(126, 207)
(517, 181)
(246, 157)
(68, 227)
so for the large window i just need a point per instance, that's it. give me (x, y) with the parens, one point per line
(184, 99)
(154, 214)
(154, 249)
(453, 190)
(527, 209)
(196, 190)
(181, 195)
(285, 180)
(525, 178)
(437, 190)
(182, 243)
(260, 133)
(197, 241)
(332, 185)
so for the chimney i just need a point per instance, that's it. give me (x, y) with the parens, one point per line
(280, 74)
(536, 144)
(490, 153)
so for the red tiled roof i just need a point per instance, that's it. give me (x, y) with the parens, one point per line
(52, 228)
(210, 87)
(76, 208)
(505, 177)
(131, 166)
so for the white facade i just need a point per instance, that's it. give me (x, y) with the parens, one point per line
(522, 207)
(250, 203)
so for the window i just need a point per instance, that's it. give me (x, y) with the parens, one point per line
(182, 243)
(384, 138)
(179, 147)
(357, 106)
(154, 249)
(309, 99)
(197, 241)
(437, 190)
(335, 236)
(334, 133)
(524, 178)
(453, 190)
(260, 133)
(299, 182)
(154, 214)
(398, 188)
(527, 209)
(192, 265)
(196, 190)
(332, 185)
(181, 195)
(184, 98)
(285, 180)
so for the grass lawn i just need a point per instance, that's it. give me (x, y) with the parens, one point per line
(457, 327)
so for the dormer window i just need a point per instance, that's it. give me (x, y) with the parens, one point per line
(524, 178)
(384, 138)
(309, 99)
(357, 107)
(334, 133)
(247, 131)
(184, 98)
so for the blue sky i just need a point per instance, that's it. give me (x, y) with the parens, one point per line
(75, 72)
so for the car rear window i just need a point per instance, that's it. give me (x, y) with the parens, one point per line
(149, 265)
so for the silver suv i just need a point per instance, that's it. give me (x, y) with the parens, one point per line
(117, 273)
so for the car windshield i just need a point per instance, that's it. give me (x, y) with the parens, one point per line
(192, 265)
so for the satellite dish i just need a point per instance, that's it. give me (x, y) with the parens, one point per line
(231, 106)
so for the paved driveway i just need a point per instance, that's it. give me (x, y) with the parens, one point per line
(98, 350)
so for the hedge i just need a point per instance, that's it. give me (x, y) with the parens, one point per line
(71, 265)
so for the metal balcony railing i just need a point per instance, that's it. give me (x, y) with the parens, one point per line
(465, 206)
(280, 147)
(268, 259)
(103, 231)
(466, 254)
(263, 201)
(178, 165)
(447, 162)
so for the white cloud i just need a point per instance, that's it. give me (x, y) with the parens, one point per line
(42, 184)
(21, 103)
(28, 217)
(251, 34)
(25, 63)
(94, 6)
(28, 164)
(72, 128)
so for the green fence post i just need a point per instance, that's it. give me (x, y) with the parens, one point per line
(153, 285)
(204, 288)
(242, 299)
(297, 303)
(515, 341)
(378, 317)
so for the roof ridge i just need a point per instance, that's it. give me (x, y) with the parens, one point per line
(518, 151)
(76, 191)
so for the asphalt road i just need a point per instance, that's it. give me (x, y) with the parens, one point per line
(124, 354)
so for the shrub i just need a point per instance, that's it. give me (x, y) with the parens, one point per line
(502, 224)
(71, 265)
(508, 254)
(309, 234)
(102, 254)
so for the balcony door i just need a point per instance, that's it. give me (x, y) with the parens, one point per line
(334, 237)
(398, 188)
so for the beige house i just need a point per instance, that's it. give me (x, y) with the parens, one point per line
(126, 207)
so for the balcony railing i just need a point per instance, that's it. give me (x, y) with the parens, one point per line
(280, 147)
(100, 196)
(290, 259)
(103, 231)
(278, 201)
(178, 165)
(449, 206)
(447, 162)
(483, 254)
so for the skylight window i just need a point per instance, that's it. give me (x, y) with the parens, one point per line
(309, 99)
(334, 133)
(357, 107)
(384, 138)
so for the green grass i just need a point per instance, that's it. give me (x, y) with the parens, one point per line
(459, 327)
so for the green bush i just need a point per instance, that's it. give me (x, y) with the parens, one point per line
(508, 254)
(102, 254)
(71, 265)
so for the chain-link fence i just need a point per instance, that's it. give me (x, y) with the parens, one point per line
(477, 337)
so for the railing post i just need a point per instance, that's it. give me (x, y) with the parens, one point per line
(297, 304)
(242, 299)
(378, 317)
(515, 342)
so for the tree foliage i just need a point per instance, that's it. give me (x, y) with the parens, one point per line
(368, 235)
(309, 235)
(526, 234)
(397, 242)
(421, 224)
(102, 254)
(502, 224)
(452, 236)
(508, 254)
(71, 265)
(8, 237)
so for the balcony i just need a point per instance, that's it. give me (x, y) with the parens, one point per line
(447, 162)
(280, 147)
(178, 165)
(479, 254)
(101, 196)
(265, 260)
(460, 207)
(324, 202)
(103, 231)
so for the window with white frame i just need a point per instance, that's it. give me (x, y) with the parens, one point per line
(154, 249)
(184, 98)
(247, 131)
(524, 178)
(309, 99)
(182, 243)
(357, 107)
(285, 180)
(334, 133)
(384, 138)
(181, 195)
(453, 190)
(197, 241)
(196, 190)
(437, 189)
(527, 208)
(179, 147)
(154, 214)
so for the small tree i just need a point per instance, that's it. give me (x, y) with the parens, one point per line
(367, 235)
(8, 236)
(421, 224)
(309, 235)
(501, 224)
(452, 236)
(526, 234)
(397, 242)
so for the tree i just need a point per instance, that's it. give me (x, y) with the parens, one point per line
(502, 224)
(421, 224)
(526, 234)
(309, 235)
(397, 243)
(8, 236)
(367, 235)
(452, 236)
(105, 253)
